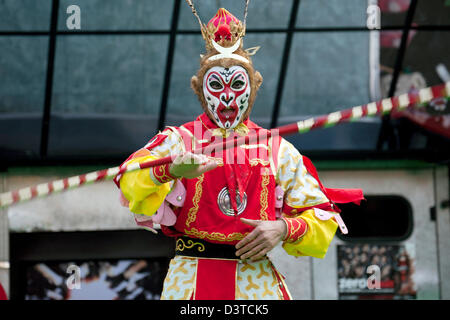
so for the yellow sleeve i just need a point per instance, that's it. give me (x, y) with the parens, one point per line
(138, 188)
(300, 188)
(317, 239)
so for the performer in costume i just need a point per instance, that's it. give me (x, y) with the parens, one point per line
(228, 209)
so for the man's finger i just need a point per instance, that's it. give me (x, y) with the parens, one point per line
(253, 252)
(260, 255)
(252, 244)
(248, 238)
(250, 222)
(251, 236)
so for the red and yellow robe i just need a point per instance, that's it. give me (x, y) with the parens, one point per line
(268, 163)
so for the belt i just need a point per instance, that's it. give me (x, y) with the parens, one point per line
(192, 247)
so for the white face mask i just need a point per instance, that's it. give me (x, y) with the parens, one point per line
(227, 91)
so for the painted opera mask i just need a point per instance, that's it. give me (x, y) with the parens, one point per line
(226, 83)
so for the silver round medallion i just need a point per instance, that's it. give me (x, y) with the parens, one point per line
(224, 203)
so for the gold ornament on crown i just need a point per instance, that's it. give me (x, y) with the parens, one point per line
(236, 27)
(237, 32)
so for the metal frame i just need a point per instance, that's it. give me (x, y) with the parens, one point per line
(169, 62)
(53, 34)
(49, 80)
(386, 131)
(284, 62)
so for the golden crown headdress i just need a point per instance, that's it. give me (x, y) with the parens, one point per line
(224, 33)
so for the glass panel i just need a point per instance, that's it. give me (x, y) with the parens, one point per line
(23, 66)
(428, 56)
(261, 14)
(107, 93)
(426, 61)
(182, 102)
(29, 15)
(109, 74)
(432, 13)
(332, 13)
(268, 62)
(119, 14)
(389, 45)
(393, 12)
(327, 72)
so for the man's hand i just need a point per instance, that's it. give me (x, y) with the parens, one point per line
(189, 165)
(262, 239)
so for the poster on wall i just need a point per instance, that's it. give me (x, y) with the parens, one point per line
(128, 279)
(369, 271)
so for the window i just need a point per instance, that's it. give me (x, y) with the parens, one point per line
(380, 218)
